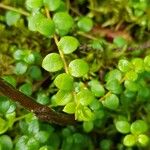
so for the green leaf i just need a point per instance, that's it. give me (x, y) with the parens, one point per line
(18, 54)
(78, 68)
(129, 140)
(35, 72)
(143, 140)
(131, 75)
(6, 106)
(3, 126)
(12, 17)
(114, 86)
(26, 89)
(131, 86)
(21, 143)
(122, 126)
(52, 62)
(147, 63)
(34, 4)
(52, 5)
(83, 113)
(64, 82)
(70, 108)
(28, 57)
(42, 136)
(42, 98)
(63, 97)
(138, 64)
(34, 20)
(63, 22)
(6, 142)
(113, 74)
(111, 102)
(46, 27)
(97, 88)
(68, 44)
(106, 144)
(20, 68)
(124, 65)
(88, 126)
(84, 97)
(139, 126)
(11, 80)
(119, 41)
(85, 24)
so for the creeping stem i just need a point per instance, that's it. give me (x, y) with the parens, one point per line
(43, 112)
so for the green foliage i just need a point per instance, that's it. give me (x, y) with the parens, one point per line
(96, 88)
(12, 17)
(85, 24)
(52, 62)
(111, 102)
(64, 82)
(46, 27)
(138, 127)
(63, 22)
(78, 68)
(68, 44)
(84, 97)
(129, 140)
(52, 5)
(122, 126)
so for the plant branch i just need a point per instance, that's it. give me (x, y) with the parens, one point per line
(43, 112)
(20, 11)
(56, 42)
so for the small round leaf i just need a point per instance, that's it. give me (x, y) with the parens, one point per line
(111, 101)
(85, 97)
(63, 97)
(97, 88)
(143, 140)
(46, 27)
(12, 17)
(70, 108)
(78, 68)
(52, 62)
(52, 5)
(139, 126)
(63, 22)
(129, 140)
(64, 82)
(85, 24)
(122, 126)
(68, 44)
(124, 65)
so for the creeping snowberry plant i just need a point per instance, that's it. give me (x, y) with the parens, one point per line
(82, 66)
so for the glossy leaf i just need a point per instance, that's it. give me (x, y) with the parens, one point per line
(52, 5)
(78, 68)
(97, 88)
(12, 17)
(85, 24)
(52, 62)
(68, 44)
(111, 102)
(63, 97)
(63, 22)
(64, 82)
(70, 108)
(84, 97)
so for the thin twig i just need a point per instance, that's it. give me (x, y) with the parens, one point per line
(56, 42)
(20, 11)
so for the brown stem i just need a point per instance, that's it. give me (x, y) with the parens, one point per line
(43, 112)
